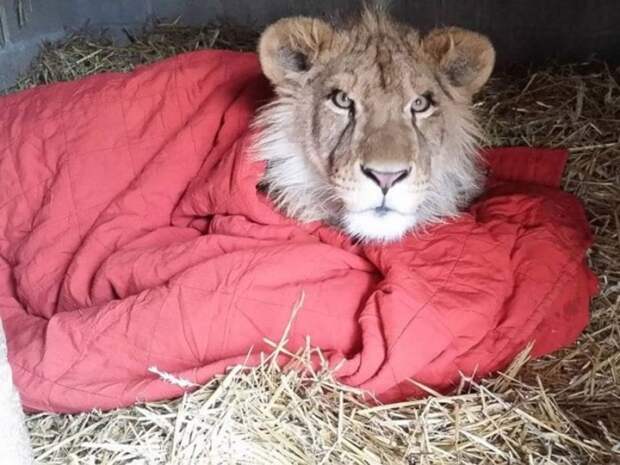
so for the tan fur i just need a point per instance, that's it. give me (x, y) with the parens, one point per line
(319, 154)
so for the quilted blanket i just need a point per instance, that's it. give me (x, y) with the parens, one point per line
(132, 235)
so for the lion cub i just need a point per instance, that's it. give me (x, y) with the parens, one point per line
(372, 128)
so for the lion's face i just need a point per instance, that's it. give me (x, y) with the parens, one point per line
(367, 123)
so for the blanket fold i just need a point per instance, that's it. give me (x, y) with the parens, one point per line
(132, 235)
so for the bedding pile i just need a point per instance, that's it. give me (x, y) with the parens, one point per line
(132, 236)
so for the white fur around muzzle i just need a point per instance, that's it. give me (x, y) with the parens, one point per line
(371, 226)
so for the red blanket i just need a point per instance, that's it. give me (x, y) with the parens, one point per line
(132, 235)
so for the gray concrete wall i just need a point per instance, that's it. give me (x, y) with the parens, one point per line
(523, 30)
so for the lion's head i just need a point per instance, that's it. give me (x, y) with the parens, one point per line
(372, 127)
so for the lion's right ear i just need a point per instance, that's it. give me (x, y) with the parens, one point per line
(291, 46)
(464, 57)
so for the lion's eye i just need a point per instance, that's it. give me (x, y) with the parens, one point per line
(420, 104)
(342, 100)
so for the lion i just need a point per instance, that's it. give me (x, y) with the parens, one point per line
(372, 128)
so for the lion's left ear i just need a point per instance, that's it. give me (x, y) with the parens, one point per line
(291, 46)
(464, 57)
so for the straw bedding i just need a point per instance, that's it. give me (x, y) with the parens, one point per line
(563, 409)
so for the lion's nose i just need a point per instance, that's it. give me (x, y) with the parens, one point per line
(385, 179)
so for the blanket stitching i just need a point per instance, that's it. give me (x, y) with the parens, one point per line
(23, 193)
(89, 336)
(21, 186)
(440, 289)
(571, 262)
(175, 77)
(66, 154)
(54, 383)
(132, 161)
